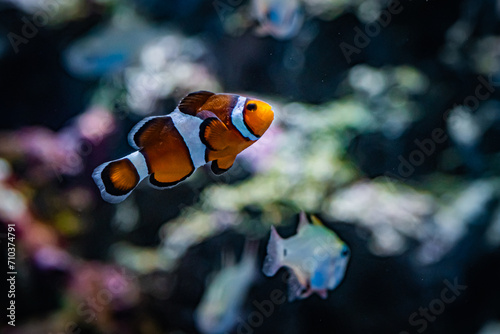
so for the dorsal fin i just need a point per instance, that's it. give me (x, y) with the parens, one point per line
(315, 220)
(192, 102)
(302, 221)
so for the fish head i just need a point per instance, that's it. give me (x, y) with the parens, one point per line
(338, 267)
(328, 260)
(258, 116)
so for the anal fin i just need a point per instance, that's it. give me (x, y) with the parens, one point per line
(222, 165)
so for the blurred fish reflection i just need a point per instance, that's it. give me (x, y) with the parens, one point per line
(281, 19)
(110, 47)
(222, 302)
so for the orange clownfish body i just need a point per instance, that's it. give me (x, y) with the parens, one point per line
(204, 127)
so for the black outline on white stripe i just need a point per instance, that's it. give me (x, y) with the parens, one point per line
(239, 122)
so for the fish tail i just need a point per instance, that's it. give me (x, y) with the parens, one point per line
(274, 256)
(116, 179)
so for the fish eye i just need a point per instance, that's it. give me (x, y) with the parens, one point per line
(272, 16)
(251, 107)
(345, 252)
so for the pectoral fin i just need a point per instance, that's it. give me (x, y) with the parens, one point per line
(222, 165)
(214, 134)
(297, 285)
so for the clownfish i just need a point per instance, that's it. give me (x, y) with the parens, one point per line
(204, 127)
(316, 257)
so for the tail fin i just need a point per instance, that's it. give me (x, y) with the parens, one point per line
(274, 254)
(116, 179)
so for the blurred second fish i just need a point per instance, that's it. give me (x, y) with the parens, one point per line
(221, 305)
